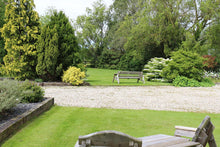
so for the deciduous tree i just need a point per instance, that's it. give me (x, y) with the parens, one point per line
(91, 30)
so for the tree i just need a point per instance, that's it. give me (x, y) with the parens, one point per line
(47, 54)
(45, 19)
(20, 33)
(58, 55)
(91, 30)
(2, 22)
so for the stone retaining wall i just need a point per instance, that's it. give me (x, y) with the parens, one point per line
(13, 125)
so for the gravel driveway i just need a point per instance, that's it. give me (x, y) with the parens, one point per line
(194, 99)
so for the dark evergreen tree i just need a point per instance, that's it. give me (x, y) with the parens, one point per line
(57, 47)
(47, 54)
(67, 42)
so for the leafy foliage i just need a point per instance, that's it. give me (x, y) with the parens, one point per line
(182, 81)
(91, 31)
(209, 62)
(73, 76)
(184, 63)
(131, 62)
(31, 93)
(20, 33)
(154, 67)
(10, 94)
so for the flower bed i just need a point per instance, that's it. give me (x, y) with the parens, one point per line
(11, 123)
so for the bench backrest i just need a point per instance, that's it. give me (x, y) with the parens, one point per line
(109, 138)
(203, 134)
(130, 73)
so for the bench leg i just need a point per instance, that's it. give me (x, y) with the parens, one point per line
(118, 79)
(143, 80)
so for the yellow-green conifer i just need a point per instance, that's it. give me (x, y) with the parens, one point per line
(20, 33)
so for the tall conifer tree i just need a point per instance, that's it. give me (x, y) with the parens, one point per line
(67, 42)
(20, 33)
(47, 54)
(57, 47)
(2, 21)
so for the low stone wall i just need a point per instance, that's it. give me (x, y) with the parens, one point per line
(13, 125)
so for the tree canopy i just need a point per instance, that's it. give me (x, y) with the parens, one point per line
(142, 29)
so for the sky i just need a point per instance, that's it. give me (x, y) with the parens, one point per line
(72, 8)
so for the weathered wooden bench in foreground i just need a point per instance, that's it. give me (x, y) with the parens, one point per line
(200, 137)
(129, 75)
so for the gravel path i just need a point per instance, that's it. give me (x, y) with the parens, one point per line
(193, 99)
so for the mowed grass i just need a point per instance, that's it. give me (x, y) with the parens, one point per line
(104, 77)
(61, 126)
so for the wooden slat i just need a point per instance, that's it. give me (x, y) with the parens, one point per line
(164, 142)
(186, 128)
(185, 131)
(154, 138)
(186, 144)
(201, 127)
(109, 138)
(129, 77)
(130, 72)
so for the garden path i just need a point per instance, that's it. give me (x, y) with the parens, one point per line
(189, 99)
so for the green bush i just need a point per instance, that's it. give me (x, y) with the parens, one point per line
(184, 63)
(73, 76)
(109, 59)
(31, 92)
(10, 94)
(130, 62)
(182, 81)
(153, 69)
(38, 80)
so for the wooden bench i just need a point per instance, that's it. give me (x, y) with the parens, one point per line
(203, 134)
(108, 138)
(200, 137)
(129, 75)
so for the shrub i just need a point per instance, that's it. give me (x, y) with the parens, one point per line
(182, 81)
(209, 63)
(131, 62)
(184, 63)
(209, 74)
(38, 80)
(153, 69)
(10, 94)
(109, 59)
(73, 76)
(31, 92)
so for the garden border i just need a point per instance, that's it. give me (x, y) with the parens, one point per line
(15, 124)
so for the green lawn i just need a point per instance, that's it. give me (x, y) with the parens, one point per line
(104, 77)
(61, 126)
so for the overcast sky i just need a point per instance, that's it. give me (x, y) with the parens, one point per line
(72, 8)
